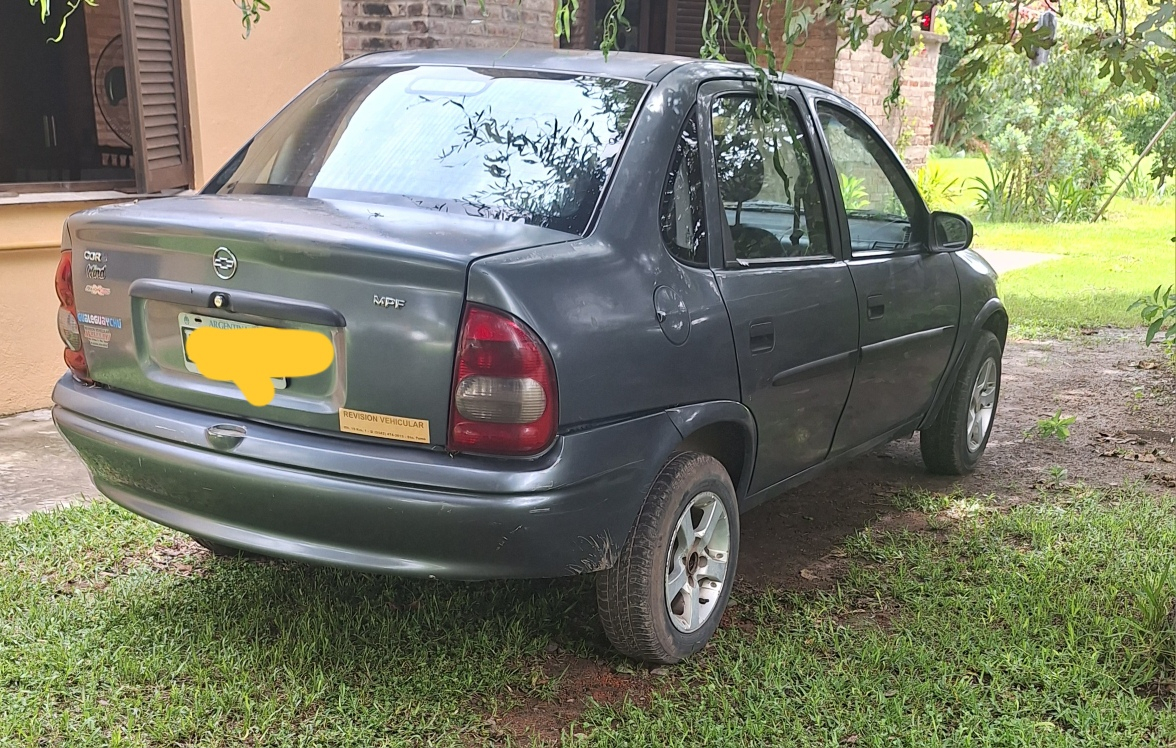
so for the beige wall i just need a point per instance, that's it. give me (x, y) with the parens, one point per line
(235, 85)
(30, 349)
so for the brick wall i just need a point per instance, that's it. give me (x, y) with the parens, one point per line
(425, 24)
(865, 76)
(918, 92)
(816, 57)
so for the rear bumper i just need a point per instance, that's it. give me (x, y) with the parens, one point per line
(366, 505)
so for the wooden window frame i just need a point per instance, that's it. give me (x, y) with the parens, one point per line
(139, 185)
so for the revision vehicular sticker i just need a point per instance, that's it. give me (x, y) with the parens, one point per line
(383, 426)
(96, 336)
(100, 321)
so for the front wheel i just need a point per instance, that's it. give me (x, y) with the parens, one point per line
(955, 440)
(664, 597)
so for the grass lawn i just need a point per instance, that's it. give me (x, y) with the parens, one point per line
(1025, 628)
(1104, 267)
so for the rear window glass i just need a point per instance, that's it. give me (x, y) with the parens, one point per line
(505, 144)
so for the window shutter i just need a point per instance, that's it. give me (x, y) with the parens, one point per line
(684, 29)
(157, 92)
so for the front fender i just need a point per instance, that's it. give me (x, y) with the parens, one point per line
(963, 348)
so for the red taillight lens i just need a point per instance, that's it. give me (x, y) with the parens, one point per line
(504, 397)
(67, 318)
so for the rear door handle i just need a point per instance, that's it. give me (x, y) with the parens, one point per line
(763, 337)
(875, 306)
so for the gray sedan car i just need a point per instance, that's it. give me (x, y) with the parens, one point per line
(583, 315)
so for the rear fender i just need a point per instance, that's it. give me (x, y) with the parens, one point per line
(691, 420)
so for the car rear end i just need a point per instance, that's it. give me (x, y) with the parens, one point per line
(430, 444)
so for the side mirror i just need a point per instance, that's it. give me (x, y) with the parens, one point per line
(950, 232)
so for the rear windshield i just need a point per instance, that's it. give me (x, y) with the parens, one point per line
(505, 144)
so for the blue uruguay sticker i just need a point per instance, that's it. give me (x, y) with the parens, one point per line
(95, 319)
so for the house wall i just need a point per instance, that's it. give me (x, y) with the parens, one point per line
(816, 57)
(30, 349)
(235, 85)
(423, 24)
(865, 76)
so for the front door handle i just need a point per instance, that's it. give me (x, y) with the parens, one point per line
(763, 337)
(875, 306)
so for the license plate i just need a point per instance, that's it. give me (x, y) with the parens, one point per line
(189, 322)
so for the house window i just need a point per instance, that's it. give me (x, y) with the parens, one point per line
(104, 108)
(658, 26)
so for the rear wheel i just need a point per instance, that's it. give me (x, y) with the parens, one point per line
(664, 597)
(955, 440)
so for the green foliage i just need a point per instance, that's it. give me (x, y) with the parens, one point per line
(1159, 313)
(939, 190)
(1067, 202)
(1143, 118)
(1141, 187)
(1052, 135)
(250, 13)
(1057, 426)
(994, 196)
(853, 192)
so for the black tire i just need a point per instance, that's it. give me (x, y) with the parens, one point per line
(944, 443)
(631, 596)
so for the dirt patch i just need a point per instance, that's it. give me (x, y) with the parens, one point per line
(1107, 381)
(576, 682)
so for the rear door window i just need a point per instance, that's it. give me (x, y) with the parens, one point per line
(771, 198)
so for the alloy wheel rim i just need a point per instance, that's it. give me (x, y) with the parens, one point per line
(696, 565)
(982, 404)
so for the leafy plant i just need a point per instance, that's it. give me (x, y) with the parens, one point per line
(994, 197)
(939, 190)
(1159, 313)
(1154, 626)
(1142, 188)
(1143, 118)
(1067, 202)
(853, 192)
(1057, 426)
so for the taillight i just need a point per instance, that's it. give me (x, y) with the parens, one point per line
(504, 398)
(67, 318)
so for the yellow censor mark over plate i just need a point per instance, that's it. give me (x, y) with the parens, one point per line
(254, 357)
(385, 427)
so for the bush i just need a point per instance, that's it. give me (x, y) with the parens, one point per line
(938, 190)
(1051, 137)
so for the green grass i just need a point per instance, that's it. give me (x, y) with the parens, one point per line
(1033, 627)
(1103, 269)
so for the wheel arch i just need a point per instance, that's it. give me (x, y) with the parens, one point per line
(724, 430)
(992, 317)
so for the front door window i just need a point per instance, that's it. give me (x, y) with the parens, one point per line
(878, 200)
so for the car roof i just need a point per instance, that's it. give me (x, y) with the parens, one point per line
(625, 65)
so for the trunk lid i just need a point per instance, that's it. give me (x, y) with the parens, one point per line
(385, 284)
